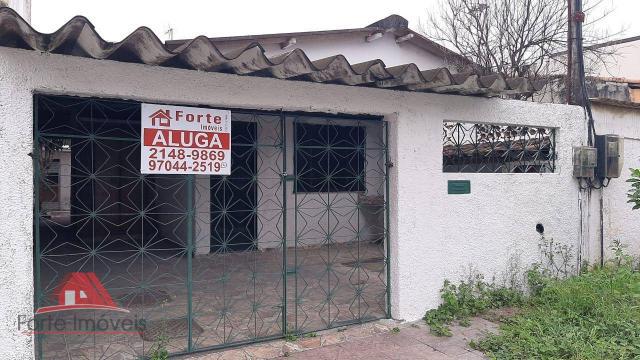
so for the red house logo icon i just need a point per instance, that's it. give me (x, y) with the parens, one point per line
(81, 291)
(163, 117)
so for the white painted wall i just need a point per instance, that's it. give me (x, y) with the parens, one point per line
(620, 221)
(433, 235)
(354, 47)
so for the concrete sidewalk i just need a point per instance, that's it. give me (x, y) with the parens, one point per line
(377, 340)
(411, 342)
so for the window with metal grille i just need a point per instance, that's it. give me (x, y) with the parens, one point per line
(329, 158)
(493, 148)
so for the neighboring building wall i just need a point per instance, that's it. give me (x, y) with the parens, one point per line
(354, 47)
(625, 62)
(620, 221)
(434, 236)
(617, 79)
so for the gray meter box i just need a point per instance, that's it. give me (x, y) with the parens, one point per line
(610, 155)
(584, 161)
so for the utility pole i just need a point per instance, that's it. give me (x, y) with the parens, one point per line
(575, 54)
(568, 86)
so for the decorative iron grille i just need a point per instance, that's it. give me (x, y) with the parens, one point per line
(339, 223)
(492, 148)
(330, 158)
(209, 261)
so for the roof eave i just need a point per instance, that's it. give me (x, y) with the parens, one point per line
(79, 38)
(274, 37)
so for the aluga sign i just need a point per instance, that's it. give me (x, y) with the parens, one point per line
(185, 140)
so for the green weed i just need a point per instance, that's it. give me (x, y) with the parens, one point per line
(594, 315)
(291, 337)
(470, 298)
(563, 315)
(159, 350)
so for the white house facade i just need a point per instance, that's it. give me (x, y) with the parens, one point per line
(345, 203)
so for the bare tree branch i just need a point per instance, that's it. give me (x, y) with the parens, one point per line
(516, 38)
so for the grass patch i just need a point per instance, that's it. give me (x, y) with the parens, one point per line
(595, 315)
(560, 314)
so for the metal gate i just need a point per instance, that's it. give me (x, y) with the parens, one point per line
(294, 241)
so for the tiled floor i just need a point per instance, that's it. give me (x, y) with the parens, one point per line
(236, 297)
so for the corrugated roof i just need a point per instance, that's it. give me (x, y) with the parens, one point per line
(632, 82)
(79, 38)
(617, 103)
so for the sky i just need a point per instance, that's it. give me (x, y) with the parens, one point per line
(114, 19)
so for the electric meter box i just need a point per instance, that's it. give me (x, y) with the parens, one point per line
(610, 155)
(584, 161)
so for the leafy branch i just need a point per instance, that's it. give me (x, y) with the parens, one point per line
(634, 192)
